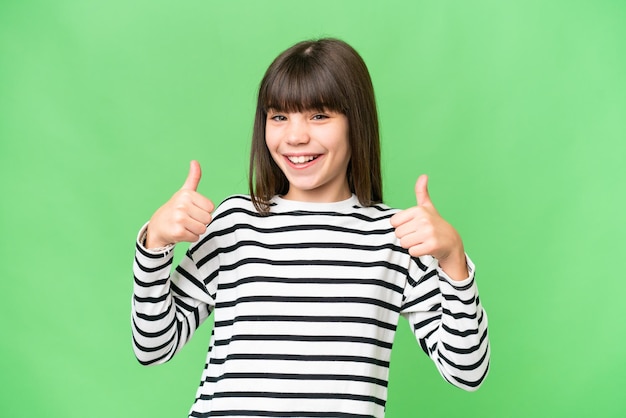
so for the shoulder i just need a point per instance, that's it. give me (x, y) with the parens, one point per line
(231, 213)
(378, 212)
(237, 205)
(234, 203)
(380, 209)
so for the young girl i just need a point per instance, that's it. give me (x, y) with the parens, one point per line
(306, 277)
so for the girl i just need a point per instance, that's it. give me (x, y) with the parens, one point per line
(306, 277)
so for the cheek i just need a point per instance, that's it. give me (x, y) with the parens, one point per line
(271, 139)
(272, 148)
(347, 149)
(346, 139)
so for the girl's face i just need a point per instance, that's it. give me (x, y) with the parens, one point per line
(312, 150)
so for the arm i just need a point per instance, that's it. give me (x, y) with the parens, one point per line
(168, 305)
(441, 301)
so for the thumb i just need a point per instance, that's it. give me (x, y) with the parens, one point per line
(421, 191)
(193, 178)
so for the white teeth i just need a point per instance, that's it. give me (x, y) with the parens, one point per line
(301, 159)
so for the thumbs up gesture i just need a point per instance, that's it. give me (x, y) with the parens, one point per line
(182, 218)
(423, 231)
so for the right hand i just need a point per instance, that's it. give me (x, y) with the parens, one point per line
(184, 217)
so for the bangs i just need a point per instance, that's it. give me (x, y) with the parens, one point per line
(299, 85)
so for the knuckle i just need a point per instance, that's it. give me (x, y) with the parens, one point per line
(178, 217)
(180, 204)
(427, 227)
(178, 232)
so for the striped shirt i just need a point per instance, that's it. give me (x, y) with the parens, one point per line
(306, 302)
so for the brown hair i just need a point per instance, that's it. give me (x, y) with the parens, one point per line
(324, 74)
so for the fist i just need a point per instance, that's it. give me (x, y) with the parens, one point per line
(184, 217)
(422, 231)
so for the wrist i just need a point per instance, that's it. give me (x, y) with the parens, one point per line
(455, 265)
(154, 245)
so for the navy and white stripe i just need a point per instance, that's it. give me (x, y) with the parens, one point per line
(306, 303)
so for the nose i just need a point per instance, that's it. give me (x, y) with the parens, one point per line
(297, 132)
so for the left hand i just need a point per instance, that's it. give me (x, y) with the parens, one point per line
(423, 231)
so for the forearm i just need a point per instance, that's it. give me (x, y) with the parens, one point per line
(462, 350)
(163, 319)
(153, 313)
(451, 326)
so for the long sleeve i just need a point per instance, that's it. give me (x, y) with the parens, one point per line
(450, 323)
(168, 305)
(306, 304)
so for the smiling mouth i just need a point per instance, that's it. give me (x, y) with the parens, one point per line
(301, 159)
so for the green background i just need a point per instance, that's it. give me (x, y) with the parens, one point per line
(516, 110)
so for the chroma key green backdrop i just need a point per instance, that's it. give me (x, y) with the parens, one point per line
(516, 110)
